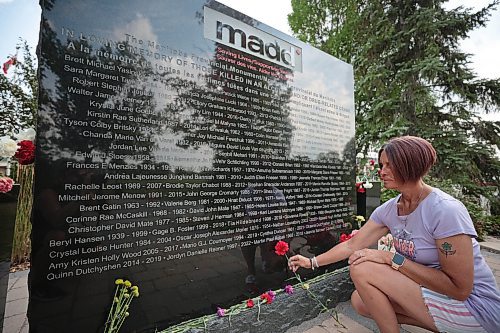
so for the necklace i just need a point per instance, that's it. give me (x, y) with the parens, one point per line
(405, 219)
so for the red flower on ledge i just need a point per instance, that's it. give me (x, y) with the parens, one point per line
(26, 152)
(250, 303)
(266, 298)
(346, 237)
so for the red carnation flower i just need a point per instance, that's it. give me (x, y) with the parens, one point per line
(281, 248)
(360, 188)
(267, 298)
(26, 152)
(345, 237)
(250, 303)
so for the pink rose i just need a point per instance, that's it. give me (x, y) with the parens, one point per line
(6, 184)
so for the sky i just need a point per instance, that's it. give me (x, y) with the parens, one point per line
(20, 18)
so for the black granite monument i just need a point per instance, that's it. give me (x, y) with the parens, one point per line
(178, 141)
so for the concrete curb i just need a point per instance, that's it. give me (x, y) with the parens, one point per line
(490, 246)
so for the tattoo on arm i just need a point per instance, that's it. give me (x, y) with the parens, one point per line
(447, 249)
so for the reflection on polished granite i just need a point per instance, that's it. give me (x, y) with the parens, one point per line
(17, 302)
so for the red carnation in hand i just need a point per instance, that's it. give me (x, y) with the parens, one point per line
(281, 248)
(26, 152)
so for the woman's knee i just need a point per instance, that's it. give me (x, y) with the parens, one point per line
(362, 272)
(358, 305)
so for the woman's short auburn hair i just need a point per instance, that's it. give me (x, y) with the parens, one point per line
(410, 157)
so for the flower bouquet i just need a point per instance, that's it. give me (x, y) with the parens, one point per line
(125, 292)
(22, 150)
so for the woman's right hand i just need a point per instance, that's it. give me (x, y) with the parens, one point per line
(298, 261)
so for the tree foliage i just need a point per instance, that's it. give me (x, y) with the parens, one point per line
(19, 93)
(411, 78)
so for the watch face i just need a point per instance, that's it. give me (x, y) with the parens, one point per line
(398, 259)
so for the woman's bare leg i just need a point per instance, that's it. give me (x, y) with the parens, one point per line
(360, 307)
(388, 297)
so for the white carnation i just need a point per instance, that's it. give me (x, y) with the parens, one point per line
(8, 147)
(367, 185)
(27, 134)
(360, 155)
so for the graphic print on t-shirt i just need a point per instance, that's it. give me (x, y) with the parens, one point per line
(403, 243)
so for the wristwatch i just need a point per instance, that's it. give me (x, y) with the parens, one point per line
(397, 261)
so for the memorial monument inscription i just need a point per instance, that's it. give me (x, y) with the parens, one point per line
(176, 142)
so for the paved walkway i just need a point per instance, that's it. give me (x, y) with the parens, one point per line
(15, 320)
(17, 301)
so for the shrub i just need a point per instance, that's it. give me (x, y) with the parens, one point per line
(483, 222)
(492, 225)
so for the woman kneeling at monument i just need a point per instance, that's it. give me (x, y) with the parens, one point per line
(437, 278)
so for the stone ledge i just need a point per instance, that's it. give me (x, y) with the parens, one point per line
(286, 311)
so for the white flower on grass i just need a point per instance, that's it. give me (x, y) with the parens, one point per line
(8, 147)
(26, 134)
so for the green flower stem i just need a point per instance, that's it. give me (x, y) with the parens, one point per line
(116, 312)
(120, 322)
(258, 312)
(123, 311)
(112, 307)
(229, 317)
(335, 316)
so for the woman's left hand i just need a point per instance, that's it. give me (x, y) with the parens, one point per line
(378, 256)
